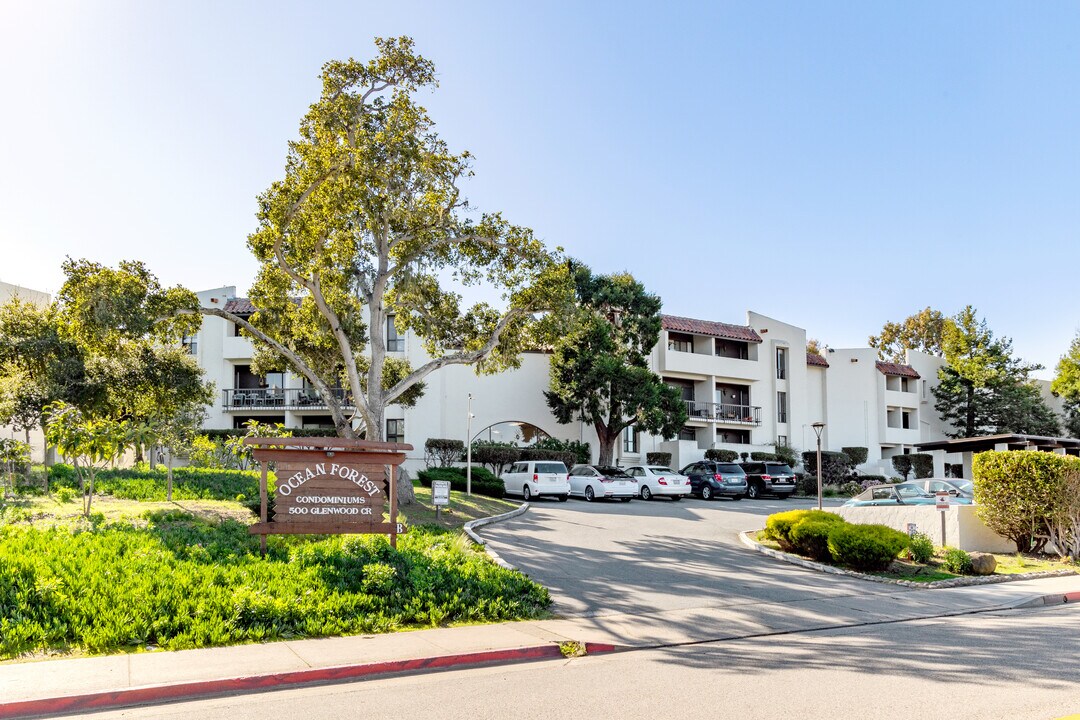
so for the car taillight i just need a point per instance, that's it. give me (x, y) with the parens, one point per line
(568, 477)
(766, 477)
(605, 479)
(718, 477)
(662, 481)
(536, 477)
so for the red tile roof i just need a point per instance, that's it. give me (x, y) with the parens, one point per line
(815, 359)
(240, 306)
(741, 333)
(897, 369)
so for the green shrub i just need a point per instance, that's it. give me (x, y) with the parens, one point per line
(786, 454)
(566, 457)
(865, 547)
(810, 536)
(778, 525)
(179, 583)
(835, 466)
(721, 455)
(442, 452)
(1018, 492)
(858, 455)
(922, 464)
(763, 456)
(956, 561)
(581, 451)
(483, 481)
(65, 495)
(494, 455)
(920, 548)
(805, 484)
(850, 488)
(658, 458)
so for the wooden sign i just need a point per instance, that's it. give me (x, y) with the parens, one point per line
(329, 486)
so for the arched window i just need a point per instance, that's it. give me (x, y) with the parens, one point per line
(519, 433)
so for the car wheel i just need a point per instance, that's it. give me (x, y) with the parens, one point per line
(526, 493)
(589, 494)
(752, 492)
(564, 498)
(706, 492)
(646, 493)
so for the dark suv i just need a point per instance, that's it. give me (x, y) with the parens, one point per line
(769, 478)
(709, 478)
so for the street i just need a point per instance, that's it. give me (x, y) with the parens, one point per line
(1011, 665)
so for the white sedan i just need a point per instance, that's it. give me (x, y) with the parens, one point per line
(593, 482)
(657, 480)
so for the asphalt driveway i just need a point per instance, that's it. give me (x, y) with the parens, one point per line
(657, 556)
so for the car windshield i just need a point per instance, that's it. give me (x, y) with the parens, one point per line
(556, 467)
(965, 486)
(662, 470)
(778, 469)
(731, 468)
(611, 471)
(910, 491)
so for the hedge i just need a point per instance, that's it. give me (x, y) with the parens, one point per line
(763, 456)
(189, 483)
(581, 451)
(721, 455)
(483, 481)
(1018, 492)
(810, 536)
(566, 457)
(495, 455)
(658, 458)
(865, 547)
(442, 452)
(778, 525)
(834, 466)
(858, 455)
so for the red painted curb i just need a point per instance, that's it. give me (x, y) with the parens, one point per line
(1071, 596)
(192, 690)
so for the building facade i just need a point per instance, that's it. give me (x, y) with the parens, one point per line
(34, 437)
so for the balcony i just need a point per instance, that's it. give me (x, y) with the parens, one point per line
(723, 413)
(699, 363)
(280, 399)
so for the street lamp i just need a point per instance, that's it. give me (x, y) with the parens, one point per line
(818, 427)
(468, 448)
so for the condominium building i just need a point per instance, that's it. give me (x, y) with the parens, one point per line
(33, 436)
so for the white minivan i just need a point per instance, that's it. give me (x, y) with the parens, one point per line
(532, 478)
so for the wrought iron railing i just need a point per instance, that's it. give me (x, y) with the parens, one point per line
(724, 412)
(280, 398)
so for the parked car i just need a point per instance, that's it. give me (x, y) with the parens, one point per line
(533, 478)
(956, 488)
(769, 478)
(899, 494)
(602, 481)
(709, 478)
(933, 486)
(657, 480)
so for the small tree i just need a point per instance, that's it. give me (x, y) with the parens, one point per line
(922, 464)
(581, 451)
(495, 455)
(1019, 493)
(442, 452)
(902, 464)
(835, 466)
(858, 455)
(658, 458)
(786, 454)
(14, 455)
(90, 444)
(922, 331)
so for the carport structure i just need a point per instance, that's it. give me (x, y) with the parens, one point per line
(967, 447)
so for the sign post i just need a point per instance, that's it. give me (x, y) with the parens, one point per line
(440, 496)
(328, 486)
(942, 498)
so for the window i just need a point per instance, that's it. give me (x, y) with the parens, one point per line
(904, 385)
(732, 349)
(236, 329)
(688, 433)
(630, 441)
(394, 342)
(781, 407)
(781, 440)
(781, 363)
(190, 344)
(923, 389)
(680, 342)
(395, 431)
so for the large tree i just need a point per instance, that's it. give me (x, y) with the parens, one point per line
(368, 223)
(923, 331)
(983, 389)
(599, 370)
(1066, 384)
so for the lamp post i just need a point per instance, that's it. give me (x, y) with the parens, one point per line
(818, 427)
(468, 448)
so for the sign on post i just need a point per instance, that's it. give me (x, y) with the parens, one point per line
(329, 486)
(942, 504)
(440, 492)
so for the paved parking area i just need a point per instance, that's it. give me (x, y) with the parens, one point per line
(658, 556)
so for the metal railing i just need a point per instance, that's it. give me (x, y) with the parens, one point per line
(724, 412)
(280, 398)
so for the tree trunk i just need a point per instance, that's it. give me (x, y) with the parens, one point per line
(168, 482)
(606, 441)
(969, 428)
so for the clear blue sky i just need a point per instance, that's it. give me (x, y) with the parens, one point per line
(834, 165)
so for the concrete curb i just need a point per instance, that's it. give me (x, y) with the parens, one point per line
(177, 692)
(470, 530)
(956, 582)
(1055, 599)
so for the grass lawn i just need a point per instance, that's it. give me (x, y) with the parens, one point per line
(148, 574)
(462, 509)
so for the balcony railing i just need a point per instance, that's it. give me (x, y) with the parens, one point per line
(723, 412)
(280, 398)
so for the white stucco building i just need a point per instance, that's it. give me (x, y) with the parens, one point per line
(34, 436)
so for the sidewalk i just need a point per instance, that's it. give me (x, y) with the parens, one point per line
(113, 681)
